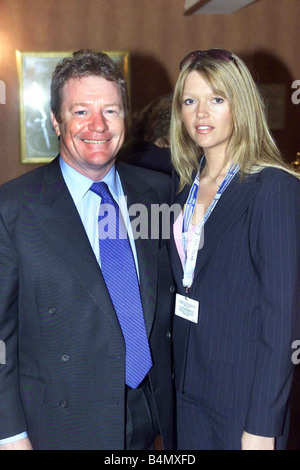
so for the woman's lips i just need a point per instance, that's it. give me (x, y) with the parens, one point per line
(204, 129)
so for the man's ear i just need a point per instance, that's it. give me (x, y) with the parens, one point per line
(55, 124)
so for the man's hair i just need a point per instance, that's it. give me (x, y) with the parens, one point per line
(85, 63)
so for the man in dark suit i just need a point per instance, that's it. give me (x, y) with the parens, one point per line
(75, 376)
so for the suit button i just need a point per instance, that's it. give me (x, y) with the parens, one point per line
(52, 310)
(65, 358)
(63, 404)
(169, 335)
(172, 289)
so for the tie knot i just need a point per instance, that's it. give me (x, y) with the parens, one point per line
(101, 189)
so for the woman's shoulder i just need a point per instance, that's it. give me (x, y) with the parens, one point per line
(277, 185)
(277, 174)
(274, 177)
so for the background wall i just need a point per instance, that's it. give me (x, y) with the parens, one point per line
(157, 35)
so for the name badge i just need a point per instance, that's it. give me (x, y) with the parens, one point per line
(187, 308)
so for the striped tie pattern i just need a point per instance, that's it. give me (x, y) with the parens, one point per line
(119, 272)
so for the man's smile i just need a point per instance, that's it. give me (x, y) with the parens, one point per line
(88, 141)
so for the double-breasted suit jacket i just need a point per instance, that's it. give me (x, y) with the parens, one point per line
(247, 281)
(64, 378)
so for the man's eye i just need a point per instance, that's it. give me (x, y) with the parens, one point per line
(80, 113)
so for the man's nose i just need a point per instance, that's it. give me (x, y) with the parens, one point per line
(98, 123)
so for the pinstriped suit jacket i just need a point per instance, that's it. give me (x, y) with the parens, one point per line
(247, 281)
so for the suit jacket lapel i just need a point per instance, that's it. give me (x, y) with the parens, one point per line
(231, 206)
(139, 192)
(61, 221)
(233, 203)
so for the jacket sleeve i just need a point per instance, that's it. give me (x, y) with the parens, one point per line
(279, 271)
(12, 420)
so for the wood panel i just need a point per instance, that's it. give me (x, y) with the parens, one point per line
(158, 35)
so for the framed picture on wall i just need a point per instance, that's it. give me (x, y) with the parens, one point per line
(39, 143)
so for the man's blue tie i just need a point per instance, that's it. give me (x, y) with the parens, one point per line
(119, 272)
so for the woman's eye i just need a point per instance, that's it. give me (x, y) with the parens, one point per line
(188, 101)
(218, 99)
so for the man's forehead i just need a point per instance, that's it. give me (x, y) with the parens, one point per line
(92, 86)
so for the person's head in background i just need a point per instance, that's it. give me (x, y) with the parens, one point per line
(152, 123)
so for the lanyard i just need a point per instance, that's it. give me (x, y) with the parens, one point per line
(191, 253)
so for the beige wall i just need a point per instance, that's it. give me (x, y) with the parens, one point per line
(158, 35)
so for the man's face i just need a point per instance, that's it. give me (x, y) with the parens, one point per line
(92, 126)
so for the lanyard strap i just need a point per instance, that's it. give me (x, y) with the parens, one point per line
(191, 253)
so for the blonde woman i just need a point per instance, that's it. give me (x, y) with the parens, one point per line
(236, 260)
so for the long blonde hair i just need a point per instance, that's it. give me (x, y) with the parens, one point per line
(251, 145)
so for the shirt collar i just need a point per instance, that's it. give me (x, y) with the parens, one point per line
(79, 185)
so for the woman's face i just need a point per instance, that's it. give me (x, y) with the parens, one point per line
(206, 116)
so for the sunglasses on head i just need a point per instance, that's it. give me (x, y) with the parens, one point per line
(216, 54)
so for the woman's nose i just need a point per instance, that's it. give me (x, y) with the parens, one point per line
(202, 109)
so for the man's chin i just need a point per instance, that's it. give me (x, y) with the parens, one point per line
(94, 167)
(100, 166)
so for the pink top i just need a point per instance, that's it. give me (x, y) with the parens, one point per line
(177, 231)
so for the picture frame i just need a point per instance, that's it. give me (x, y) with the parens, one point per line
(39, 144)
